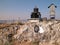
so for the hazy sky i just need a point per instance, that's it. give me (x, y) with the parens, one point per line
(12, 9)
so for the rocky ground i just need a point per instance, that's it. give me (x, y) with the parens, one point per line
(25, 34)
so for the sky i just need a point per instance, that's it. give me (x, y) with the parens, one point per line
(21, 9)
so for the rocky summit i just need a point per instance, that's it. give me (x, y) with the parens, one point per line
(31, 33)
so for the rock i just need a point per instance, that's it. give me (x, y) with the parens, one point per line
(49, 33)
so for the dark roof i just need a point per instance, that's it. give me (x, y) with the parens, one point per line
(51, 5)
